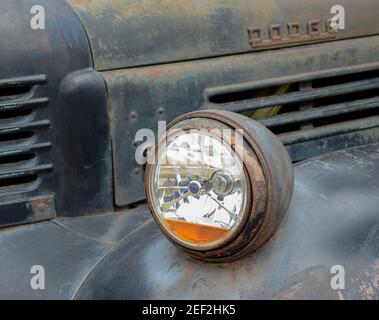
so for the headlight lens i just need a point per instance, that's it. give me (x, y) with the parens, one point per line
(199, 189)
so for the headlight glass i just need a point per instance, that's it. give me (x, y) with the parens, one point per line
(199, 189)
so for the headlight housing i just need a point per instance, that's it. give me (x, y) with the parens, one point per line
(218, 184)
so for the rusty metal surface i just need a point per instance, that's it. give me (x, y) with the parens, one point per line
(139, 97)
(294, 33)
(326, 225)
(27, 210)
(126, 33)
(125, 256)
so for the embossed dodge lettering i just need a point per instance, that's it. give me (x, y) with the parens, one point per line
(297, 33)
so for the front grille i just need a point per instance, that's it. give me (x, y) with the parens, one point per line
(316, 112)
(24, 146)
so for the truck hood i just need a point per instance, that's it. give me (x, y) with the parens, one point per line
(127, 33)
(333, 221)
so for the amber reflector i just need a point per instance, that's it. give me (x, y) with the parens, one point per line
(195, 233)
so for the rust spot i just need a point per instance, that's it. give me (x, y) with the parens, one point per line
(368, 291)
(154, 73)
(41, 206)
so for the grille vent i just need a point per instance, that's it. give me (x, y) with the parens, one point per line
(318, 112)
(24, 142)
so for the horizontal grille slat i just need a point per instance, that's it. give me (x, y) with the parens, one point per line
(8, 174)
(322, 112)
(23, 81)
(41, 147)
(19, 105)
(25, 127)
(329, 130)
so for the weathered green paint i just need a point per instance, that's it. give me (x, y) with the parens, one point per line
(126, 33)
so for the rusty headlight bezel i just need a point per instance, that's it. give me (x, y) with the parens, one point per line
(268, 169)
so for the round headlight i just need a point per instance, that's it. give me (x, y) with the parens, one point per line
(213, 188)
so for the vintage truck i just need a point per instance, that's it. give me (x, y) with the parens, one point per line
(80, 78)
